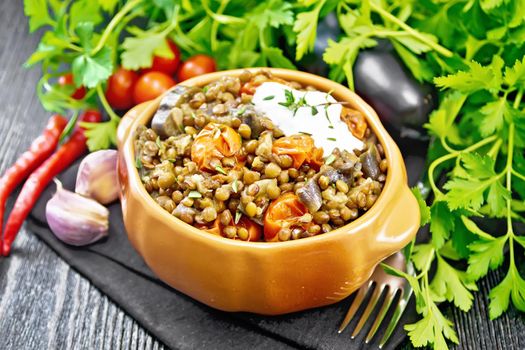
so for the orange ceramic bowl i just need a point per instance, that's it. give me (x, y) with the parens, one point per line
(267, 278)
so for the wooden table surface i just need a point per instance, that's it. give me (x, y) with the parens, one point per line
(44, 304)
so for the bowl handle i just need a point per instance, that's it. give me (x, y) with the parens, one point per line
(126, 121)
(399, 226)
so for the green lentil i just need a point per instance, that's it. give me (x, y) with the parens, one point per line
(251, 209)
(272, 170)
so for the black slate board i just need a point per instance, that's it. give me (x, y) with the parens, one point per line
(183, 323)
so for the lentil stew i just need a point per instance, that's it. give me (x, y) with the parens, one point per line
(223, 158)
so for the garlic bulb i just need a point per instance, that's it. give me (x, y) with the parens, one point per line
(75, 219)
(97, 176)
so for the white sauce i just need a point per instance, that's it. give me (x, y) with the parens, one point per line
(304, 120)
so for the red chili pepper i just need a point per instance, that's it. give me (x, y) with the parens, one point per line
(41, 148)
(41, 177)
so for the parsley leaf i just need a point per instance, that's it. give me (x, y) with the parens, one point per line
(423, 208)
(477, 78)
(453, 285)
(108, 5)
(306, 27)
(497, 198)
(515, 75)
(421, 70)
(345, 53)
(84, 11)
(466, 194)
(422, 254)
(493, 116)
(139, 51)
(441, 225)
(273, 13)
(276, 58)
(38, 14)
(91, 70)
(481, 166)
(100, 135)
(432, 329)
(488, 5)
(485, 254)
(512, 287)
(441, 120)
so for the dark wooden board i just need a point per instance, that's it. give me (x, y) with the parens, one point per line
(44, 304)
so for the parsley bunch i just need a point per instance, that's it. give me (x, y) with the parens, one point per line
(83, 37)
(479, 132)
(91, 38)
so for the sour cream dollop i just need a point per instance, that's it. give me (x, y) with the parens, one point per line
(326, 127)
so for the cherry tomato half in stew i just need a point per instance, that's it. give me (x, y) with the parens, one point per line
(213, 143)
(67, 80)
(119, 92)
(195, 66)
(254, 230)
(283, 213)
(301, 148)
(151, 85)
(165, 64)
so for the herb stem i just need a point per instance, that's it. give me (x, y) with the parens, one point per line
(452, 155)
(262, 41)
(518, 98)
(113, 23)
(510, 155)
(74, 47)
(215, 24)
(112, 115)
(433, 167)
(426, 268)
(70, 126)
(493, 152)
(446, 146)
(518, 175)
(440, 49)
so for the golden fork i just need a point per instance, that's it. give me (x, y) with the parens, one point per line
(381, 281)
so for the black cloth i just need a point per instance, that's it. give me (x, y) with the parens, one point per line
(180, 322)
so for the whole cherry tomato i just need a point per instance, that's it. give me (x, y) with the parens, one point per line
(283, 212)
(120, 88)
(195, 66)
(67, 80)
(164, 64)
(215, 141)
(301, 148)
(151, 85)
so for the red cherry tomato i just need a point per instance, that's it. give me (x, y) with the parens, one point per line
(301, 148)
(215, 141)
(120, 88)
(91, 116)
(66, 80)
(285, 211)
(151, 85)
(164, 64)
(195, 66)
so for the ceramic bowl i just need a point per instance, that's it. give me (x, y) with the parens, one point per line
(267, 278)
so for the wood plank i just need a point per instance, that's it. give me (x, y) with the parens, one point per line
(44, 304)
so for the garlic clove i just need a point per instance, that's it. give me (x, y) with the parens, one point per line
(75, 219)
(97, 176)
